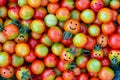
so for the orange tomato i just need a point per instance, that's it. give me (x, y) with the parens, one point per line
(34, 3)
(53, 1)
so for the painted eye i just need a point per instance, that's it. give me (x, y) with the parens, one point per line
(111, 52)
(76, 24)
(70, 22)
(69, 58)
(65, 54)
(5, 30)
(4, 73)
(118, 53)
(95, 54)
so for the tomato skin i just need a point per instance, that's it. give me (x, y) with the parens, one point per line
(52, 7)
(32, 43)
(2, 2)
(59, 78)
(31, 57)
(48, 74)
(106, 73)
(50, 60)
(94, 78)
(16, 60)
(5, 59)
(115, 5)
(78, 40)
(7, 72)
(3, 11)
(93, 74)
(96, 5)
(62, 66)
(80, 6)
(44, 3)
(66, 42)
(37, 67)
(68, 4)
(22, 49)
(55, 34)
(115, 15)
(75, 14)
(10, 31)
(105, 62)
(84, 28)
(13, 13)
(114, 41)
(34, 3)
(22, 2)
(91, 43)
(2, 38)
(108, 28)
(41, 51)
(68, 75)
(35, 35)
(83, 76)
(40, 13)
(76, 71)
(9, 47)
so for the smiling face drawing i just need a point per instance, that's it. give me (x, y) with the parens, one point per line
(72, 26)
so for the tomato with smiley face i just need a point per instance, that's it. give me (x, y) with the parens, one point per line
(67, 55)
(72, 26)
(96, 5)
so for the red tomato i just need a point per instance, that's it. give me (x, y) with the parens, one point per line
(66, 41)
(55, 34)
(32, 43)
(108, 28)
(84, 28)
(37, 67)
(105, 62)
(30, 57)
(76, 71)
(44, 3)
(52, 7)
(2, 2)
(50, 60)
(79, 4)
(91, 43)
(114, 41)
(83, 76)
(68, 75)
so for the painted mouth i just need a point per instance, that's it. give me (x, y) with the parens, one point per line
(72, 28)
(65, 60)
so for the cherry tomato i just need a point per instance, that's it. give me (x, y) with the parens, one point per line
(75, 14)
(83, 76)
(83, 28)
(10, 31)
(52, 7)
(48, 74)
(93, 65)
(34, 3)
(76, 71)
(5, 59)
(108, 28)
(22, 2)
(89, 18)
(105, 62)
(44, 3)
(7, 72)
(22, 49)
(81, 61)
(62, 14)
(59, 78)
(106, 73)
(3, 11)
(53, 1)
(115, 4)
(55, 34)
(35, 35)
(31, 57)
(37, 67)
(78, 40)
(2, 2)
(79, 4)
(68, 75)
(50, 60)
(9, 47)
(72, 26)
(16, 60)
(26, 12)
(32, 43)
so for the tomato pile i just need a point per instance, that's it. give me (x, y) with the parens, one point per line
(59, 39)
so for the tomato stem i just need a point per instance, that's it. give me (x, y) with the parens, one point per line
(67, 35)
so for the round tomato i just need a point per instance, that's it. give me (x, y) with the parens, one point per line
(105, 15)
(75, 14)
(22, 49)
(22, 2)
(26, 12)
(83, 76)
(3, 11)
(55, 34)
(52, 7)
(76, 71)
(68, 75)
(7, 72)
(37, 67)
(35, 35)
(37, 26)
(93, 65)
(106, 73)
(59, 78)
(87, 16)
(115, 4)
(50, 60)
(33, 43)
(105, 62)
(16, 60)
(44, 3)
(62, 14)
(79, 4)
(72, 26)
(78, 40)
(9, 47)
(34, 3)
(5, 59)
(2, 2)
(81, 61)
(10, 31)
(41, 50)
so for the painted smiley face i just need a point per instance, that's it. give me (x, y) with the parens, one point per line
(72, 26)
(21, 38)
(114, 54)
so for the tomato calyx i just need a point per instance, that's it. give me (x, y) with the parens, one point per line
(1, 27)
(17, 23)
(72, 65)
(26, 75)
(85, 52)
(67, 35)
(98, 47)
(72, 51)
(115, 65)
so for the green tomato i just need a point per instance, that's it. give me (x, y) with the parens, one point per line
(57, 48)
(75, 14)
(93, 65)
(50, 20)
(16, 60)
(106, 2)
